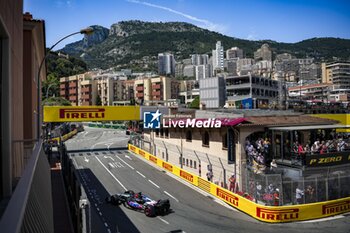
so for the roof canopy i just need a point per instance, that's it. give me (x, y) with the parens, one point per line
(309, 127)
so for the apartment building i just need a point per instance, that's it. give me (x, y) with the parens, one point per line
(157, 90)
(87, 92)
(250, 91)
(234, 52)
(199, 59)
(310, 92)
(203, 71)
(189, 89)
(166, 64)
(338, 74)
(212, 92)
(264, 53)
(218, 57)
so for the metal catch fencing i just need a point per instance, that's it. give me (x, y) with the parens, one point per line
(331, 184)
(202, 164)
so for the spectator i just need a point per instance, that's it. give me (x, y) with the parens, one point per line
(341, 145)
(258, 191)
(232, 181)
(309, 194)
(210, 175)
(276, 197)
(299, 193)
(273, 165)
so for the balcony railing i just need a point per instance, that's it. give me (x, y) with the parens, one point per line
(30, 206)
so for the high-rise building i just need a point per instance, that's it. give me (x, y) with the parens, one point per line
(199, 59)
(202, 71)
(218, 57)
(264, 53)
(166, 64)
(234, 52)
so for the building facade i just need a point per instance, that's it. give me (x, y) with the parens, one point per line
(234, 52)
(166, 64)
(249, 91)
(264, 53)
(218, 57)
(25, 184)
(212, 92)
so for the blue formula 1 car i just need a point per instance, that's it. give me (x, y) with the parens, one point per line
(140, 202)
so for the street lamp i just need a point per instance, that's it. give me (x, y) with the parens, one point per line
(86, 31)
(48, 88)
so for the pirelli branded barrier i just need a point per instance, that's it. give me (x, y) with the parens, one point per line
(90, 113)
(64, 137)
(263, 213)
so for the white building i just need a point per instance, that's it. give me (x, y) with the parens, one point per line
(234, 52)
(166, 64)
(218, 57)
(199, 59)
(202, 71)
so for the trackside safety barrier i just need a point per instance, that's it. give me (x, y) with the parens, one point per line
(260, 212)
(64, 137)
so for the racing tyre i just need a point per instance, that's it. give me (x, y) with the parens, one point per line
(150, 211)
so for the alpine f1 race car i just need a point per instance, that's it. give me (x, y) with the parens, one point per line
(140, 202)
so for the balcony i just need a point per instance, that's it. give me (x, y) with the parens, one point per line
(156, 93)
(30, 206)
(139, 95)
(156, 86)
(74, 84)
(139, 88)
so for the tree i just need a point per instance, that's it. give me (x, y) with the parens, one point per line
(195, 103)
(50, 86)
(98, 100)
(56, 101)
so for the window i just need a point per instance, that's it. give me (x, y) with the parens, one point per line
(187, 162)
(157, 132)
(194, 164)
(205, 139)
(189, 136)
(191, 163)
(166, 133)
(224, 141)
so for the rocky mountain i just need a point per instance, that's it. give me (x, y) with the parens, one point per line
(136, 44)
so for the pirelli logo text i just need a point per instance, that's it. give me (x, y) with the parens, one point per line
(132, 148)
(186, 176)
(153, 159)
(142, 153)
(227, 196)
(335, 208)
(286, 214)
(88, 113)
(167, 167)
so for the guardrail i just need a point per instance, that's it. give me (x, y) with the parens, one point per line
(263, 213)
(64, 137)
(30, 207)
(108, 126)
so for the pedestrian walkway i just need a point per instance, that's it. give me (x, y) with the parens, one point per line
(61, 214)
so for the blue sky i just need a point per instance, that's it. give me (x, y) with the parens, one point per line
(279, 20)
